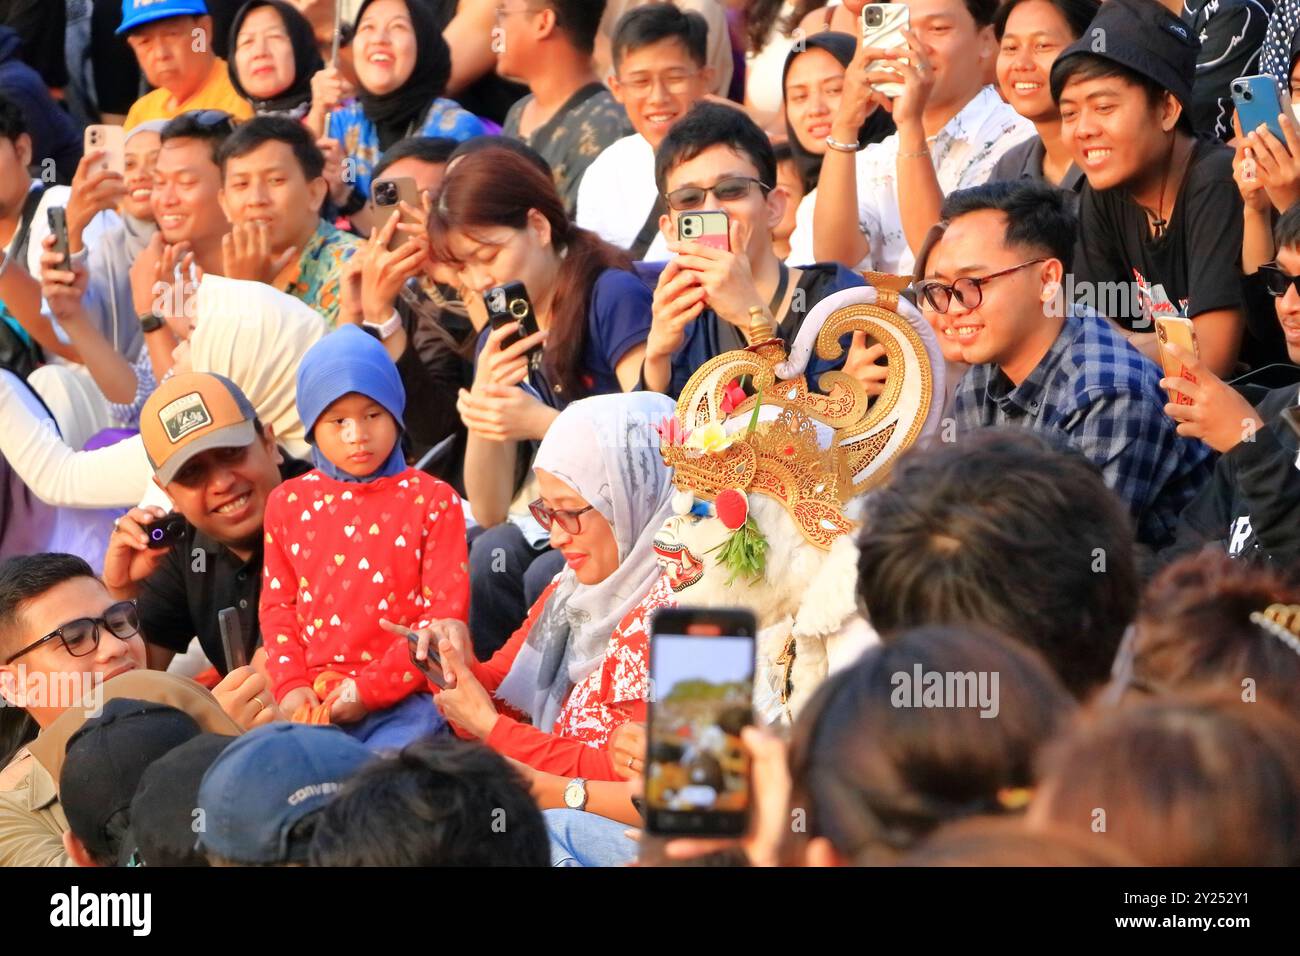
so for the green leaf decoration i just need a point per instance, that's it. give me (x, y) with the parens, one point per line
(753, 419)
(744, 553)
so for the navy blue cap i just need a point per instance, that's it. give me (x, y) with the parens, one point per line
(266, 782)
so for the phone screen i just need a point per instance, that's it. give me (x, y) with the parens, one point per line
(697, 771)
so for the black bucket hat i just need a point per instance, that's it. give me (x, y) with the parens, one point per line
(1142, 36)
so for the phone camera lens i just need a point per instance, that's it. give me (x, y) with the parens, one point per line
(874, 18)
(1247, 95)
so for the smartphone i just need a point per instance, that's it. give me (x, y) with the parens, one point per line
(702, 675)
(166, 531)
(58, 219)
(1176, 330)
(232, 639)
(1258, 100)
(431, 666)
(882, 27)
(510, 303)
(388, 193)
(711, 228)
(110, 139)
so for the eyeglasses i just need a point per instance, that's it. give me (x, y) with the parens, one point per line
(1277, 280)
(503, 11)
(676, 83)
(968, 290)
(569, 520)
(727, 190)
(81, 636)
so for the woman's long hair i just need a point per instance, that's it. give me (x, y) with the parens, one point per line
(497, 187)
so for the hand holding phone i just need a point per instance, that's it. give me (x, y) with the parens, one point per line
(111, 141)
(58, 219)
(166, 531)
(232, 639)
(711, 228)
(389, 194)
(1259, 100)
(510, 303)
(882, 28)
(697, 769)
(1179, 331)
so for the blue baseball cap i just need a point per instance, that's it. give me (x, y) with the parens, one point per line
(266, 782)
(136, 13)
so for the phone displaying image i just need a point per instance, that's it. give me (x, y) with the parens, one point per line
(58, 219)
(166, 531)
(510, 303)
(882, 27)
(232, 639)
(431, 666)
(387, 195)
(697, 769)
(712, 228)
(1258, 100)
(1176, 330)
(110, 139)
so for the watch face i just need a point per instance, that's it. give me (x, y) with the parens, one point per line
(574, 795)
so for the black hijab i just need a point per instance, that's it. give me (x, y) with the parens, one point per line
(307, 60)
(879, 124)
(394, 113)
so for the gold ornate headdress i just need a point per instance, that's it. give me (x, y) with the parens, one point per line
(773, 441)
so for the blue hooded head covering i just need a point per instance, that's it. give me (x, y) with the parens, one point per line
(349, 360)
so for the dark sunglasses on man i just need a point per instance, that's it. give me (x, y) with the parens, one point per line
(1277, 280)
(81, 636)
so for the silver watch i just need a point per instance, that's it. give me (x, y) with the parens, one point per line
(575, 794)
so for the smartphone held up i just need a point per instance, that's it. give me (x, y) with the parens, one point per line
(882, 28)
(702, 674)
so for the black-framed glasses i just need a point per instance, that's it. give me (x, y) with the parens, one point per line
(968, 290)
(81, 636)
(570, 520)
(675, 83)
(1277, 280)
(727, 190)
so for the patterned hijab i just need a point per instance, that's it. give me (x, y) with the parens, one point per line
(606, 449)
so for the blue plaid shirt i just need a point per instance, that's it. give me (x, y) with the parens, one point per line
(1104, 398)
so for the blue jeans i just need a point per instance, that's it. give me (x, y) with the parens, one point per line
(394, 727)
(579, 838)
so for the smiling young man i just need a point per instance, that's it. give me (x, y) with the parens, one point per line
(707, 300)
(660, 71)
(1160, 208)
(952, 129)
(272, 193)
(66, 647)
(1251, 507)
(992, 292)
(172, 42)
(218, 463)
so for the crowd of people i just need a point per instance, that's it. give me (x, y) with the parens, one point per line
(360, 566)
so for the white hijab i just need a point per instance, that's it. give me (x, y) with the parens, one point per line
(256, 336)
(606, 449)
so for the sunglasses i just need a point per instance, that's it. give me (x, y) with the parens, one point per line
(81, 636)
(569, 520)
(1277, 280)
(727, 190)
(968, 290)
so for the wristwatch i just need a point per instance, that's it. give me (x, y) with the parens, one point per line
(575, 794)
(150, 322)
(385, 330)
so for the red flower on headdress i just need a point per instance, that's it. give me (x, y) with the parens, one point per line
(732, 396)
(732, 508)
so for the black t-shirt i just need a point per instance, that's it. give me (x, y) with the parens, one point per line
(199, 578)
(1197, 261)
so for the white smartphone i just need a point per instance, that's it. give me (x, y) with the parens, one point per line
(882, 27)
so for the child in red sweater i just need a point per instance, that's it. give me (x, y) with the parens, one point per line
(359, 538)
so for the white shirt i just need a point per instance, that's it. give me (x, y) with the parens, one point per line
(617, 193)
(964, 153)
